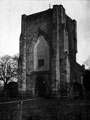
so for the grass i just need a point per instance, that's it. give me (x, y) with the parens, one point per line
(48, 109)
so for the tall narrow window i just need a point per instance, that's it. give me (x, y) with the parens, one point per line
(41, 55)
(66, 41)
(40, 63)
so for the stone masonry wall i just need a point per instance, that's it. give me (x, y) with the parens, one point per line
(39, 24)
(51, 24)
(22, 57)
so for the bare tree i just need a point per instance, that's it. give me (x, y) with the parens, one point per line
(8, 69)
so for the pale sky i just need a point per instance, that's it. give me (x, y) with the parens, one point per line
(10, 22)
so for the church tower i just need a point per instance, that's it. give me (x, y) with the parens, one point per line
(48, 44)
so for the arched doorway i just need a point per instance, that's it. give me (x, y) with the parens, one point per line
(76, 91)
(41, 86)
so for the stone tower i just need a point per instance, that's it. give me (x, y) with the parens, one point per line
(48, 47)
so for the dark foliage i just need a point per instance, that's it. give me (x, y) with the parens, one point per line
(12, 89)
(86, 80)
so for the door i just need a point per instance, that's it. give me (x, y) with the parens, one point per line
(40, 86)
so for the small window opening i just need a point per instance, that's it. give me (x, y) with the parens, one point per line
(40, 63)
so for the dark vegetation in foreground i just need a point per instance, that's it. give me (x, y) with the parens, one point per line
(46, 109)
(42, 108)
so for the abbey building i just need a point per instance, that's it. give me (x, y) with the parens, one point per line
(48, 47)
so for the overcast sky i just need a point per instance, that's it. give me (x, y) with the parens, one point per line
(10, 22)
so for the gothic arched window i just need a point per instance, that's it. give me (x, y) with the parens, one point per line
(41, 55)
